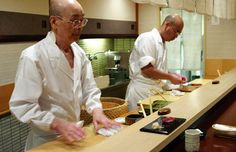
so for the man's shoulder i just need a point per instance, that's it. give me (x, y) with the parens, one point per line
(147, 37)
(149, 34)
(33, 51)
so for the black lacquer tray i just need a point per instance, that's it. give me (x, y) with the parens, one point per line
(168, 125)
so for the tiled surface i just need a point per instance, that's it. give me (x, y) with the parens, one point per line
(10, 53)
(124, 45)
(98, 47)
(9, 56)
(12, 134)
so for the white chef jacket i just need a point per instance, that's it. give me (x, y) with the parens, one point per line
(148, 48)
(47, 87)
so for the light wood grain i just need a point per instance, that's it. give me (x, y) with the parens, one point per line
(167, 95)
(5, 95)
(223, 65)
(59, 144)
(191, 106)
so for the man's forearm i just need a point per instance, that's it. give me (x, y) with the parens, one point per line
(150, 72)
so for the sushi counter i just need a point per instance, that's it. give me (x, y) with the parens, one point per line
(210, 103)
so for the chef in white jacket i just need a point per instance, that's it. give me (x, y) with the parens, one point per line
(54, 78)
(148, 61)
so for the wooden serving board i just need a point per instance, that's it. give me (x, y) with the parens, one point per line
(187, 88)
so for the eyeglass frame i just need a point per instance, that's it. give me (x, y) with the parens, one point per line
(74, 23)
(175, 30)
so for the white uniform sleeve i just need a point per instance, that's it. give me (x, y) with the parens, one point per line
(146, 50)
(91, 94)
(145, 60)
(24, 100)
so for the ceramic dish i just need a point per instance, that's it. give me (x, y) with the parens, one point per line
(224, 130)
(120, 120)
(132, 118)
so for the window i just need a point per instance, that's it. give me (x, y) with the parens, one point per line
(185, 53)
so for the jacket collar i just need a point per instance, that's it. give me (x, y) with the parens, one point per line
(57, 57)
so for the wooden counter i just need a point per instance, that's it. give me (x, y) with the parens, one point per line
(5, 95)
(191, 106)
(222, 113)
(169, 97)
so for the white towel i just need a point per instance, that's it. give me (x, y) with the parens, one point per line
(109, 131)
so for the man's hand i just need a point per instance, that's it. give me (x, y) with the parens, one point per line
(69, 131)
(177, 79)
(150, 72)
(100, 118)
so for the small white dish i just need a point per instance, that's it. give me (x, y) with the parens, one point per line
(120, 120)
(224, 130)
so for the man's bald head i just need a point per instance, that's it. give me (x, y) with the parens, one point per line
(63, 14)
(171, 27)
(57, 7)
(174, 19)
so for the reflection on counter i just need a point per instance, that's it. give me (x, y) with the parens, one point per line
(116, 90)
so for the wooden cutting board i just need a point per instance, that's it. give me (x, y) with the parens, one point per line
(187, 88)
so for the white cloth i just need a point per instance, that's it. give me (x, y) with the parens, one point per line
(225, 9)
(148, 48)
(109, 131)
(178, 4)
(47, 87)
(160, 3)
(205, 7)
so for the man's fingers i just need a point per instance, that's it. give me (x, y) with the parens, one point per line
(69, 139)
(111, 123)
(77, 137)
(95, 125)
(80, 132)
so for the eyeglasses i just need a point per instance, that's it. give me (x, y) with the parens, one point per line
(174, 29)
(80, 23)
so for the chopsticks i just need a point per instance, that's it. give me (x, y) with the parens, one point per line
(154, 91)
(218, 71)
(144, 113)
(162, 96)
(158, 92)
(150, 105)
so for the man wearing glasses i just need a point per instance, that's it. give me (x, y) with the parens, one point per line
(54, 78)
(148, 61)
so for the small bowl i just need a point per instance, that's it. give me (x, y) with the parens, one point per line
(132, 118)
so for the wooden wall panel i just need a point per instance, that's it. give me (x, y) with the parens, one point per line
(112, 28)
(227, 65)
(5, 95)
(16, 27)
(211, 67)
(223, 65)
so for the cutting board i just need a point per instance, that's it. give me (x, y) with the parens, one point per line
(187, 88)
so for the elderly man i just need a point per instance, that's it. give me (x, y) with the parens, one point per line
(148, 63)
(54, 78)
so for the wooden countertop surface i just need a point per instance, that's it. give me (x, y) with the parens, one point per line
(191, 106)
(221, 113)
(169, 97)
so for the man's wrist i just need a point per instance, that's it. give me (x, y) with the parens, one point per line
(54, 125)
(170, 76)
(97, 110)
